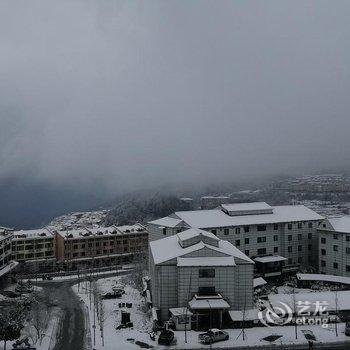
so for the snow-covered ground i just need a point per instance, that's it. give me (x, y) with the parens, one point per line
(139, 315)
(142, 325)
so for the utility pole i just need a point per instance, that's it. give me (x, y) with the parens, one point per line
(336, 313)
(295, 315)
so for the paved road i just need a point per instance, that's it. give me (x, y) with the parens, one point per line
(71, 334)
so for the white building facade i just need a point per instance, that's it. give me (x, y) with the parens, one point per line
(204, 275)
(334, 244)
(257, 229)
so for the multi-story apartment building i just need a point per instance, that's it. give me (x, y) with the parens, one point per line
(334, 246)
(45, 250)
(98, 247)
(5, 252)
(257, 229)
(196, 273)
(34, 249)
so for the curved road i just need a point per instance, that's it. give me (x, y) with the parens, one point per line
(71, 333)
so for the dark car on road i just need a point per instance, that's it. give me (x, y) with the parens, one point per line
(166, 337)
(111, 295)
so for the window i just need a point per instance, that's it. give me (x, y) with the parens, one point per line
(309, 235)
(275, 249)
(290, 226)
(246, 241)
(275, 227)
(323, 263)
(323, 240)
(238, 230)
(261, 227)
(246, 252)
(238, 243)
(324, 225)
(348, 238)
(309, 247)
(261, 239)
(164, 231)
(246, 229)
(261, 251)
(290, 237)
(226, 231)
(300, 225)
(290, 249)
(300, 260)
(335, 265)
(213, 232)
(275, 238)
(335, 248)
(347, 250)
(310, 225)
(290, 261)
(347, 268)
(206, 273)
(335, 236)
(299, 236)
(300, 248)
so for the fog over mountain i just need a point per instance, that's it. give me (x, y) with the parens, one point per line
(104, 97)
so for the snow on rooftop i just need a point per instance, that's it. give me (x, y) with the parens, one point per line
(194, 232)
(169, 248)
(217, 218)
(9, 267)
(166, 221)
(321, 277)
(208, 303)
(341, 224)
(206, 261)
(271, 258)
(246, 206)
(35, 233)
(259, 281)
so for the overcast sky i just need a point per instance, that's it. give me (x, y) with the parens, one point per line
(136, 93)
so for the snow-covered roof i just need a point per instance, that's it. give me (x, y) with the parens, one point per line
(194, 232)
(208, 303)
(341, 224)
(36, 233)
(259, 281)
(9, 267)
(169, 248)
(166, 221)
(246, 206)
(180, 311)
(207, 261)
(102, 231)
(324, 278)
(246, 315)
(270, 258)
(217, 218)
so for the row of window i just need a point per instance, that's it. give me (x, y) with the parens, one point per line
(335, 265)
(336, 237)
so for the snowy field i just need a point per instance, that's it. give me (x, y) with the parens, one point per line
(139, 315)
(118, 339)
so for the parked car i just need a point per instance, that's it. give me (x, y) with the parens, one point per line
(212, 336)
(166, 337)
(347, 328)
